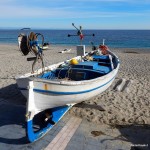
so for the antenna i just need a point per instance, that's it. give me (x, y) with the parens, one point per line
(79, 33)
(103, 41)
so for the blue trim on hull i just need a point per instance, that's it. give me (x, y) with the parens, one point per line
(70, 93)
(57, 112)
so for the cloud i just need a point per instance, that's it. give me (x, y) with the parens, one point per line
(61, 13)
(15, 9)
(49, 12)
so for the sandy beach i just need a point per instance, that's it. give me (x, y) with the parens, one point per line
(131, 105)
(115, 106)
(128, 106)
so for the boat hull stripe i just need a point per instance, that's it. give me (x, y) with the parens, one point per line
(70, 93)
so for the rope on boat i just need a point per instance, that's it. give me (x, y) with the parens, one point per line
(30, 44)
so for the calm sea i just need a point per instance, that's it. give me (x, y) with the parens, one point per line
(113, 38)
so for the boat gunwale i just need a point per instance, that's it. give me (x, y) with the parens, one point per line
(71, 82)
(33, 77)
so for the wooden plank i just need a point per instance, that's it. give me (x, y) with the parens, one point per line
(63, 137)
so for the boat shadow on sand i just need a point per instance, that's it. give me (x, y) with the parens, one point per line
(131, 137)
(12, 116)
(12, 95)
(12, 124)
(136, 135)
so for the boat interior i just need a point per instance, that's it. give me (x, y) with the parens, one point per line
(86, 70)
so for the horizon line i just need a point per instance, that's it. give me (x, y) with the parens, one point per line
(35, 28)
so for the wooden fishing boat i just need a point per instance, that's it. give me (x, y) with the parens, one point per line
(52, 91)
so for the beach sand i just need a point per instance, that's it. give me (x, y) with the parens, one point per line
(115, 106)
(130, 105)
(121, 113)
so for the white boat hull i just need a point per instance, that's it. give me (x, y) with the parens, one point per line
(50, 94)
(48, 99)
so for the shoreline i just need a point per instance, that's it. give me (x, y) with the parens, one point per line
(121, 107)
(147, 49)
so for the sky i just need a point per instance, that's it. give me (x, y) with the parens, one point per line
(60, 14)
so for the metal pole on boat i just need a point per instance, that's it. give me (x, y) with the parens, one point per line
(103, 41)
(80, 48)
(79, 33)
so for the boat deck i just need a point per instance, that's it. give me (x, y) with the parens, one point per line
(85, 70)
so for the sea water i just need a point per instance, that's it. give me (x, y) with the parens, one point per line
(113, 38)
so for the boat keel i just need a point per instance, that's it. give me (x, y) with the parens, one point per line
(55, 115)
